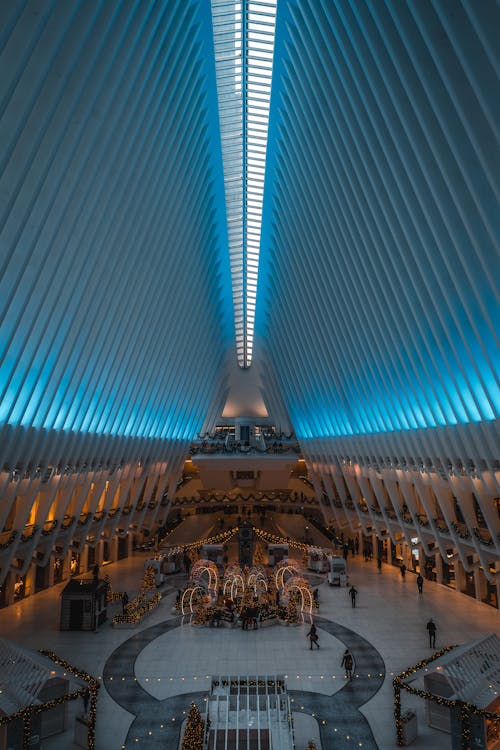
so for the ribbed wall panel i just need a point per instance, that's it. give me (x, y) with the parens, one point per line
(115, 306)
(381, 232)
(109, 289)
(384, 246)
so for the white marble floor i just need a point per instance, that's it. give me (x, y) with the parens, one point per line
(390, 614)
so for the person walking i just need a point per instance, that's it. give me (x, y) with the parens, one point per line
(348, 663)
(420, 583)
(403, 571)
(353, 593)
(431, 627)
(313, 636)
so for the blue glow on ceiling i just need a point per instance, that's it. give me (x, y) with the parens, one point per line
(377, 302)
(115, 298)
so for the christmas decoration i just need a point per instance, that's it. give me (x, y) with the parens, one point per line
(91, 691)
(466, 709)
(292, 617)
(311, 745)
(149, 578)
(199, 615)
(137, 609)
(193, 733)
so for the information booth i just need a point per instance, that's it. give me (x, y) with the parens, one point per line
(83, 604)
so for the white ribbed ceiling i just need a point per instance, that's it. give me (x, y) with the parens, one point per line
(379, 257)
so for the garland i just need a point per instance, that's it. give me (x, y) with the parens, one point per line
(466, 709)
(275, 539)
(91, 691)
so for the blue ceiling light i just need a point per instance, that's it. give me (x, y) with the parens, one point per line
(244, 51)
(115, 245)
(380, 226)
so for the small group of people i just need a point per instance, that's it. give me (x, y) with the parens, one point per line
(249, 618)
(347, 659)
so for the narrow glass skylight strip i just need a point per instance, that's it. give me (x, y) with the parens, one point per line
(244, 49)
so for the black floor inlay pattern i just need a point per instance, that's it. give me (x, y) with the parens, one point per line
(345, 726)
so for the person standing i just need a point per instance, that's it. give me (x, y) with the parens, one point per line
(420, 583)
(353, 593)
(431, 627)
(403, 571)
(313, 636)
(348, 663)
(124, 602)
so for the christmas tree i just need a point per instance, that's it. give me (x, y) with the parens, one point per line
(258, 557)
(200, 615)
(292, 617)
(149, 578)
(311, 745)
(193, 733)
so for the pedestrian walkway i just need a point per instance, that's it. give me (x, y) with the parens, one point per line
(151, 674)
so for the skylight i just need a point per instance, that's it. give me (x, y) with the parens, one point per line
(244, 47)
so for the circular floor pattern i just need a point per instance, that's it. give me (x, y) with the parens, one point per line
(339, 710)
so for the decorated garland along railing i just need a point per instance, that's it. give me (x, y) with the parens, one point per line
(26, 713)
(224, 536)
(466, 709)
(275, 539)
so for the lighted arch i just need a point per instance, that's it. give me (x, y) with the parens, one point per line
(190, 593)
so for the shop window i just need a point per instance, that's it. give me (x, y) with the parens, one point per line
(479, 514)
(458, 511)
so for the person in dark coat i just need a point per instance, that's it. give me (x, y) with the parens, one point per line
(348, 663)
(403, 571)
(313, 636)
(420, 583)
(353, 593)
(431, 627)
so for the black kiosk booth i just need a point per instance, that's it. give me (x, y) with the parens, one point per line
(83, 604)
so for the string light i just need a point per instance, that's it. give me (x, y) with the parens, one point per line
(465, 708)
(275, 539)
(26, 713)
(137, 609)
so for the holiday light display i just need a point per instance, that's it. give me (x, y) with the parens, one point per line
(149, 578)
(26, 713)
(202, 567)
(292, 616)
(193, 733)
(465, 708)
(137, 609)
